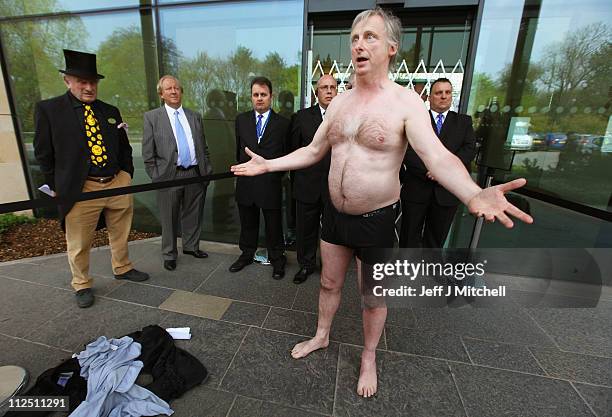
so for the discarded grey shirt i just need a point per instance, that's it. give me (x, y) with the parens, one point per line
(110, 368)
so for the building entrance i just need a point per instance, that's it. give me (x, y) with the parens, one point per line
(433, 45)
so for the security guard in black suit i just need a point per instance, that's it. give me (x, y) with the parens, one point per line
(310, 188)
(264, 132)
(428, 208)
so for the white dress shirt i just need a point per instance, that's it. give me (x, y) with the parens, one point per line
(186, 128)
(322, 111)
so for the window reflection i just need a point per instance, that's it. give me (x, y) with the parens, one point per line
(29, 7)
(34, 55)
(542, 89)
(215, 50)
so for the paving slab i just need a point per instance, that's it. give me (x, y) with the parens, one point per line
(249, 407)
(407, 386)
(33, 357)
(213, 342)
(202, 401)
(264, 369)
(200, 305)
(76, 327)
(576, 367)
(502, 355)
(435, 343)
(510, 325)
(246, 313)
(344, 329)
(580, 330)
(599, 398)
(140, 294)
(189, 274)
(253, 284)
(25, 306)
(491, 392)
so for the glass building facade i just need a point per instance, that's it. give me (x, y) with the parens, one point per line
(534, 74)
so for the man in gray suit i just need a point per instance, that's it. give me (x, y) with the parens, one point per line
(173, 147)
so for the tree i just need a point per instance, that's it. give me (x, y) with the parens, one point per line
(573, 64)
(34, 54)
(124, 89)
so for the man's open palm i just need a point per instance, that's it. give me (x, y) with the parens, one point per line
(491, 204)
(256, 166)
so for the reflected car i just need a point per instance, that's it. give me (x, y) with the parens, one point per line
(538, 141)
(556, 140)
(521, 142)
(588, 144)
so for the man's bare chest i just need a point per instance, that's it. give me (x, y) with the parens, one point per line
(372, 130)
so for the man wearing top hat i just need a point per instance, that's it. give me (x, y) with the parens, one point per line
(82, 146)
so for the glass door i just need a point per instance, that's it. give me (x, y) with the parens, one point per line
(431, 47)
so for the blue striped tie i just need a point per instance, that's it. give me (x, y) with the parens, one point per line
(258, 127)
(439, 122)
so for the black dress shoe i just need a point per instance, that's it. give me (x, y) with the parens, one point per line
(239, 264)
(133, 275)
(196, 253)
(170, 265)
(278, 273)
(302, 275)
(84, 298)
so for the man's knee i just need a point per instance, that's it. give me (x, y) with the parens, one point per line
(329, 283)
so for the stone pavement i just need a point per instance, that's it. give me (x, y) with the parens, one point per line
(511, 361)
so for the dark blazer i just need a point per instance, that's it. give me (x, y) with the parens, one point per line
(309, 184)
(458, 136)
(61, 149)
(263, 191)
(159, 150)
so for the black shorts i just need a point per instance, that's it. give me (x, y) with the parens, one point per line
(375, 229)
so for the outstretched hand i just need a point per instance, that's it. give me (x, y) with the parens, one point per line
(256, 166)
(491, 204)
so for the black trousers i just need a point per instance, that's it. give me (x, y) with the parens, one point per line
(425, 225)
(307, 224)
(249, 232)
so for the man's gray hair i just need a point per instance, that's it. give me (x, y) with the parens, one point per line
(160, 83)
(393, 26)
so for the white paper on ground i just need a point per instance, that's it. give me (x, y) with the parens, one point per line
(47, 190)
(179, 333)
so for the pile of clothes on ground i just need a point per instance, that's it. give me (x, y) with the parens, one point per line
(101, 380)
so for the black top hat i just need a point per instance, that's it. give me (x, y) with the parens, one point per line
(81, 64)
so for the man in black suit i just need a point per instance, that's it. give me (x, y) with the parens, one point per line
(310, 184)
(428, 208)
(81, 146)
(265, 132)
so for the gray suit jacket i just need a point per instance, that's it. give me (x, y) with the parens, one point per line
(159, 150)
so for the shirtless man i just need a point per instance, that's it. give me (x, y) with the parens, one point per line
(368, 129)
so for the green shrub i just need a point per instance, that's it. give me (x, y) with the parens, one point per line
(10, 219)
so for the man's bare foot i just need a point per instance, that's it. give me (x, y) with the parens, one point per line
(304, 348)
(368, 383)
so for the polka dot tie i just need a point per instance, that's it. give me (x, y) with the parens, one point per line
(95, 142)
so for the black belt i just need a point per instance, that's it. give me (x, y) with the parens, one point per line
(101, 180)
(181, 168)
